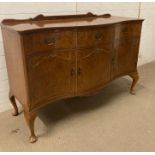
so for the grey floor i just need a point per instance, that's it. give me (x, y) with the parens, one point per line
(112, 120)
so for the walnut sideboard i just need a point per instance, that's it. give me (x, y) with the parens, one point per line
(56, 57)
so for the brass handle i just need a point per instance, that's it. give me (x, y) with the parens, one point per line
(72, 72)
(99, 36)
(49, 44)
(79, 71)
(50, 41)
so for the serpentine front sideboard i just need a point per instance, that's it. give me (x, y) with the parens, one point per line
(56, 57)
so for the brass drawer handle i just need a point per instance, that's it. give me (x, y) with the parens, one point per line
(79, 71)
(72, 72)
(98, 36)
(50, 41)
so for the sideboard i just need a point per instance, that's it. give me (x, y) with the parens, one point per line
(50, 58)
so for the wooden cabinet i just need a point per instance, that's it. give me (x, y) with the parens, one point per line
(56, 57)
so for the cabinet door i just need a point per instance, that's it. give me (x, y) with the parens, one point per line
(94, 59)
(126, 47)
(50, 76)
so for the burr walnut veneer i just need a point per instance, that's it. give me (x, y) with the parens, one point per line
(56, 57)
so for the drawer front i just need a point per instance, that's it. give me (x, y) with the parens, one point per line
(95, 37)
(49, 40)
(130, 29)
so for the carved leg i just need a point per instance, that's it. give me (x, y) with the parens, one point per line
(135, 78)
(30, 118)
(13, 102)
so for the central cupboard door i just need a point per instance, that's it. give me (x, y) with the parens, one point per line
(94, 58)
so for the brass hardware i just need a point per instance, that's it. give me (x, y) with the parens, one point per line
(72, 72)
(50, 41)
(98, 36)
(49, 44)
(79, 71)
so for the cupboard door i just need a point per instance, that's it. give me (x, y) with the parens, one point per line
(93, 70)
(50, 76)
(127, 47)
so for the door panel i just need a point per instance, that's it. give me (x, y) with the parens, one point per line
(49, 75)
(94, 70)
(127, 47)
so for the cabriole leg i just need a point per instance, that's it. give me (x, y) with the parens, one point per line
(13, 102)
(135, 78)
(30, 118)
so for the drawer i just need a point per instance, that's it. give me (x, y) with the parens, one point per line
(49, 40)
(95, 37)
(130, 29)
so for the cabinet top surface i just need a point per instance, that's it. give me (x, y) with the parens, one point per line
(45, 22)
